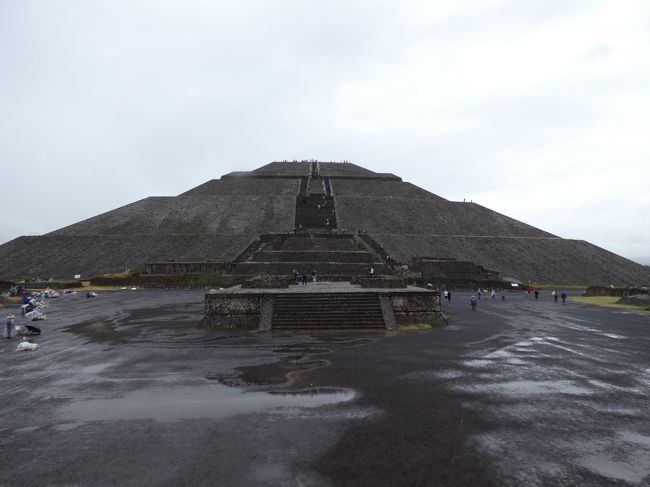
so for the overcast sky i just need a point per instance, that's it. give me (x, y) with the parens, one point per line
(537, 109)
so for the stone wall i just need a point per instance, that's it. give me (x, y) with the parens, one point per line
(441, 268)
(232, 311)
(379, 282)
(254, 309)
(186, 268)
(313, 257)
(170, 281)
(413, 308)
(614, 291)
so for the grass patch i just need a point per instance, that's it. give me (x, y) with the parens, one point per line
(608, 302)
(413, 327)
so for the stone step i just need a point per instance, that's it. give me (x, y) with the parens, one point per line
(321, 316)
(308, 215)
(339, 323)
(311, 307)
(329, 295)
(333, 323)
(324, 298)
(307, 326)
(314, 256)
(328, 305)
(322, 268)
(327, 311)
(298, 320)
(328, 317)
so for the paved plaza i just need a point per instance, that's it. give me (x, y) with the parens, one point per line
(125, 390)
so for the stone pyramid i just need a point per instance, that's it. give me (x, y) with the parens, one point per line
(218, 220)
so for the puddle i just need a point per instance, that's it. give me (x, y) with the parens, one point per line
(95, 369)
(477, 363)
(611, 387)
(498, 354)
(530, 388)
(516, 361)
(210, 401)
(449, 374)
(66, 426)
(614, 469)
(637, 438)
(277, 372)
(614, 335)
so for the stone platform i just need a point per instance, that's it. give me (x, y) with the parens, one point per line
(321, 306)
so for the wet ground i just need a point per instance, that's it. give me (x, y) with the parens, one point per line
(124, 390)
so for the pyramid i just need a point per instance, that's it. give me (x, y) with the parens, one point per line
(218, 220)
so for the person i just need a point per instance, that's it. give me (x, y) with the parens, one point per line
(295, 276)
(446, 294)
(372, 272)
(479, 294)
(493, 294)
(563, 297)
(503, 296)
(554, 294)
(304, 278)
(473, 302)
(536, 293)
(314, 277)
(10, 329)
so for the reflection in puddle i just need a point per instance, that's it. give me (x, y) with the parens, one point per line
(213, 401)
(529, 388)
(613, 469)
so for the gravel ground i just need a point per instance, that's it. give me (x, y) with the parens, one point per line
(125, 391)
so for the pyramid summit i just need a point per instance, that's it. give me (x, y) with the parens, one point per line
(231, 219)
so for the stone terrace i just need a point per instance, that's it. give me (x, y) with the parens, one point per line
(322, 306)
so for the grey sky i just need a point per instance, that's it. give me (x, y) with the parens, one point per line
(536, 109)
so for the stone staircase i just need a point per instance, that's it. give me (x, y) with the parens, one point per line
(378, 249)
(329, 254)
(249, 252)
(312, 214)
(328, 311)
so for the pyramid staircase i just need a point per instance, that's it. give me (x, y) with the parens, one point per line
(329, 311)
(334, 256)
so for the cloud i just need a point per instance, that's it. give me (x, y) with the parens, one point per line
(497, 101)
